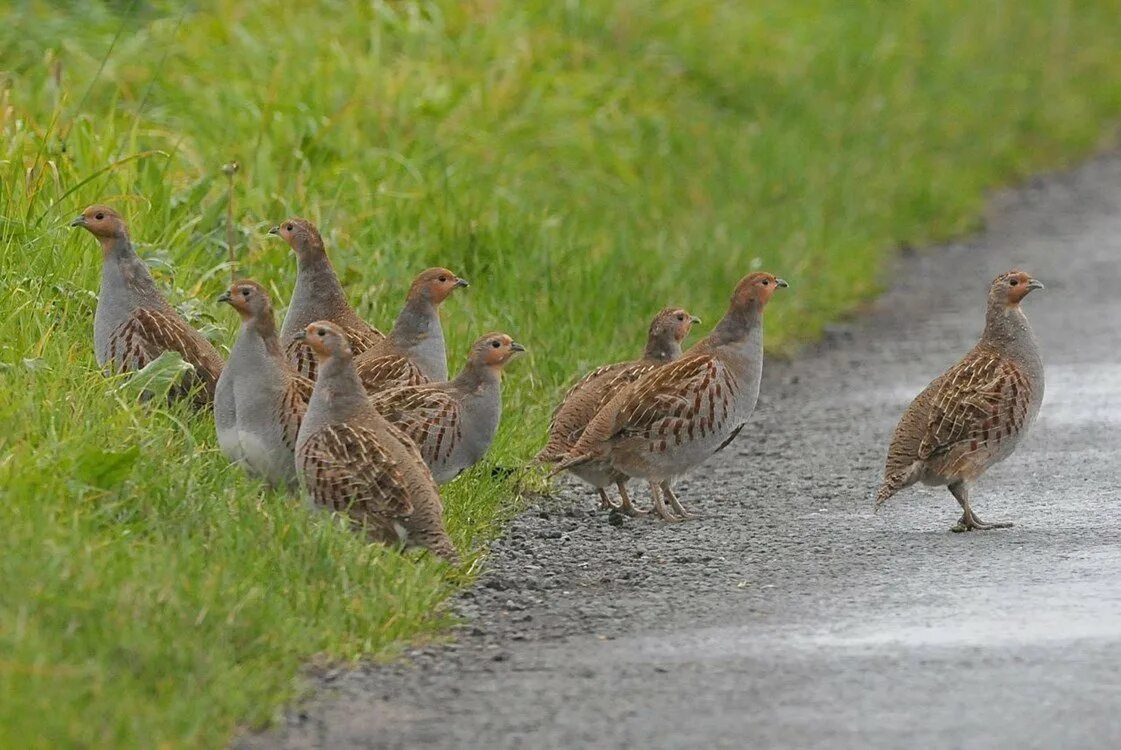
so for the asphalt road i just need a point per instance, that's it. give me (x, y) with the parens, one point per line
(791, 615)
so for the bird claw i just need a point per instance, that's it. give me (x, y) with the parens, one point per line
(669, 517)
(965, 524)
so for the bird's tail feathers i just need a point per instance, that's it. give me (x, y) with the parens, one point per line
(570, 462)
(897, 481)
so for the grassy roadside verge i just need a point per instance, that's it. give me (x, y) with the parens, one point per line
(582, 164)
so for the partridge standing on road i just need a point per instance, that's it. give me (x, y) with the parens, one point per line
(261, 399)
(663, 344)
(454, 423)
(351, 460)
(414, 352)
(676, 416)
(974, 414)
(318, 296)
(134, 324)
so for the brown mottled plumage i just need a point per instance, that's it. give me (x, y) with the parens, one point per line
(592, 392)
(318, 296)
(974, 414)
(673, 418)
(453, 423)
(352, 461)
(414, 352)
(134, 324)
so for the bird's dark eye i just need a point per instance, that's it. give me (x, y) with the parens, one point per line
(681, 317)
(99, 216)
(496, 344)
(244, 292)
(1013, 282)
(766, 282)
(289, 227)
(321, 332)
(443, 279)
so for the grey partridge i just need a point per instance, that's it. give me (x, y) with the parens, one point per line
(673, 418)
(261, 399)
(352, 461)
(318, 296)
(454, 423)
(134, 324)
(414, 351)
(973, 415)
(583, 400)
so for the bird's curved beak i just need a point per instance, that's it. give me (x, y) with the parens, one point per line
(459, 282)
(78, 222)
(275, 230)
(1033, 284)
(694, 319)
(300, 336)
(224, 297)
(781, 283)
(516, 347)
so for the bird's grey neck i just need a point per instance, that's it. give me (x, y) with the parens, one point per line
(739, 326)
(318, 293)
(418, 320)
(123, 271)
(1006, 326)
(264, 329)
(662, 350)
(477, 377)
(339, 389)
(258, 353)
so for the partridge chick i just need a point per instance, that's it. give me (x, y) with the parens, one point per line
(261, 399)
(453, 423)
(318, 296)
(414, 352)
(674, 417)
(663, 344)
(134, 324)
(351, 460)
(974, 414)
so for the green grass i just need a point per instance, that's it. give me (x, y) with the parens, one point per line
(582, 163)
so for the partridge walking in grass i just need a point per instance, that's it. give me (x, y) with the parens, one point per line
(318, 296)
(261, 399)
(454, 423)
(663, 344)
(134, 324)
(414, 352)
(676, 416)
(351, 460)
(974, 414)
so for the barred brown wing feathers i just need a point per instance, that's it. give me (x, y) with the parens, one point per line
(583, 400)
(429, 417)
(982, 402)
(129, 349)
(362, 337)
(293, 406)
(302, 358)
(147, 333)
(346, 468)
(682, 400)
(388, 371)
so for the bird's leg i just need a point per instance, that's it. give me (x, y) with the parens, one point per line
(660, 507)
(969, 521)
(604, 501)
(627, 506)
(678, 508)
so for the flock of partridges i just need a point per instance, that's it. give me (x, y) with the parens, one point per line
(369, 424)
